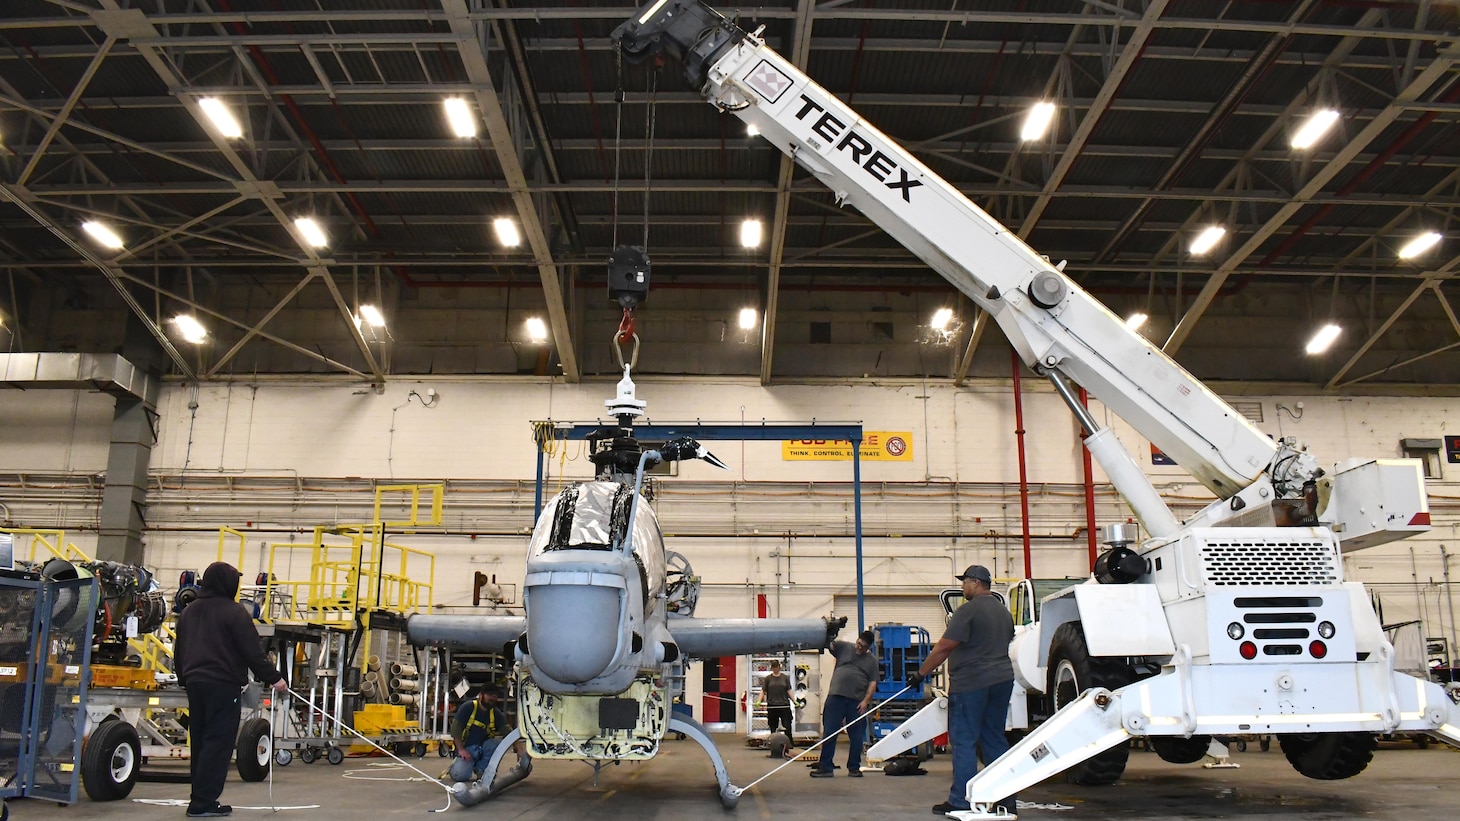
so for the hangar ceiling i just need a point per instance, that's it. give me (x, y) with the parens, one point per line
(1171, 116)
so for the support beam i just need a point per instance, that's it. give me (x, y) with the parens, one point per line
(243, 326)
(113, 274)
(469, 44)
(1432, 281)
(1433, 73)
(65, 113)
(258, 326)
(139, 30)
(800, 52)
(1139, 36)
(980, 324)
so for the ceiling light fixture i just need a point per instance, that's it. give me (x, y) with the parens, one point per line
(1136, 320)
(311, 232)
(536, 330)
(644, 18)
(1419, 245)
(1323, 340)
(507, 232)
(748, 318)
(102, 233)
(752, 131)
(221, 117)
(1207, 240)
(191, 329)
(372, 315)
(941, 318)
(1037, 122)
(458, 113)
(1313, 128)
(750, 233)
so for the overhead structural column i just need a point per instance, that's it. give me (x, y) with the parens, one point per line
(475, 63)
(800, 51)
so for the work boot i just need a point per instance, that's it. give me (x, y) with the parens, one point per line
(215, 811)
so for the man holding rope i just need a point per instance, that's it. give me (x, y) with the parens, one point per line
(217, 644)
(980, 680)
(853, 683)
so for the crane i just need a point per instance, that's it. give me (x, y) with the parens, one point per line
(1236, 620)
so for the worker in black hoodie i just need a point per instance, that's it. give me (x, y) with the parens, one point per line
(217, 645)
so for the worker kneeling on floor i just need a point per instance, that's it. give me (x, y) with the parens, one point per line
(479, 727)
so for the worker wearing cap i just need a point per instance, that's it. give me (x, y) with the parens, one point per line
(980, 681)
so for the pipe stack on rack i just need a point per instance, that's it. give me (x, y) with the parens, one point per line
(404, 686)
(373, 687)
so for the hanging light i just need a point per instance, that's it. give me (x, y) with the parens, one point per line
(536, 329)
(750, 233)
(644, 18)
(1037, 121)
(1207, 240)
(752, 131)
(1313, 128)
(311, 232)
(1419, 245)
(507, 233)
(221, 117)
(1324, 339)
(458, 113)
(1136, 320)
(191, 329)
(372, 315)
(941, 318)
(103, 234)
(748, 318)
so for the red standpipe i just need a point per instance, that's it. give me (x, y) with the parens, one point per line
(1023, 471)
(1089, 487)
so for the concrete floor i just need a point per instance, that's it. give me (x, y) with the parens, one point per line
(1402, 782)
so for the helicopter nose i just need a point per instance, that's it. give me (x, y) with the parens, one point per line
(573, 630)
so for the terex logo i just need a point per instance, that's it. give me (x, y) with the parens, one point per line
(879, 165)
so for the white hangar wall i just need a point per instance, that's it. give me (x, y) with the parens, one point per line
(275, 459)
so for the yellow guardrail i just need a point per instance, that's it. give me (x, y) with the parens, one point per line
(353, 568)
(156, 654)
(434, 494)
(53, 542)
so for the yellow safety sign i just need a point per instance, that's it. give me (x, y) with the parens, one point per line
(877, 446)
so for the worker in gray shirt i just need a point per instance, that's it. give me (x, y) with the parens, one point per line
(852, 684)
(980, 680)
(775, 691)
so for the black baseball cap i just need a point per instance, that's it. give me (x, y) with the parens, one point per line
(977, 571)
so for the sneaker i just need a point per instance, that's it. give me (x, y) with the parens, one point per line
(854, 773)
(945, 808)
(822, 774)
(215, 811)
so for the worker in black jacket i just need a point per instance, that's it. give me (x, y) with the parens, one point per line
(217, 645)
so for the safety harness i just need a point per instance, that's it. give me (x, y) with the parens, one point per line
(491, 723)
